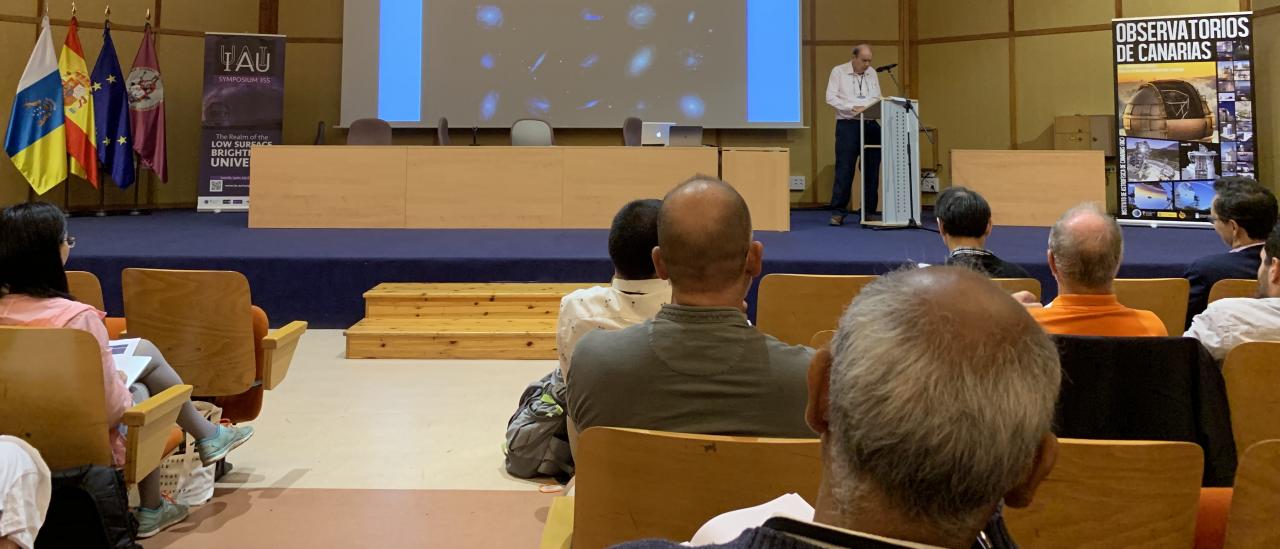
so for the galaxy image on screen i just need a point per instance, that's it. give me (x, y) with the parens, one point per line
(577, 62)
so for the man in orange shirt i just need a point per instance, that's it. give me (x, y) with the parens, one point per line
(1085, 247)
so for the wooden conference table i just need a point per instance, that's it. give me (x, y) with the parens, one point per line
(495, 187)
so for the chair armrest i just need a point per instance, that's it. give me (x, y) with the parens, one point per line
(558, 531)
(277, 352)
(149, 425)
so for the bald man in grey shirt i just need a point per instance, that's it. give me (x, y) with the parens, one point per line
(699, 367)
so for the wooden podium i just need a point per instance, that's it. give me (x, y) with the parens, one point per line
(899, 160)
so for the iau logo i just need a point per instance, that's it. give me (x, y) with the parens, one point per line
(244, 58)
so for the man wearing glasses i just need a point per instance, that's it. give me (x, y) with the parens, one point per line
(852, 88)
(1242, 214)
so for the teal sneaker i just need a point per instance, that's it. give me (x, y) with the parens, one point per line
(153, 521)
(217, 446)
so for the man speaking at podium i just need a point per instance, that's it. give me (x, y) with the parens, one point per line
(853, 87)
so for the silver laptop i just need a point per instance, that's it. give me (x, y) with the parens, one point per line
(656, 133)
(685, 136)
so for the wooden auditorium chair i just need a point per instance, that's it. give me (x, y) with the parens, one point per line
(1166, 297)
(1252, 375)
(85, 287)
(1233, 287)
(1106, 493)
(204, 324)
(1255, 503)
(634, 484)
(794, 307)
(51, 379)
(1015, 285)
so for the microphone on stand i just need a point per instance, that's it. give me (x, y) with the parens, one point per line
(886, 67)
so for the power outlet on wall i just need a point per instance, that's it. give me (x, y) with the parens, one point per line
(797, 182)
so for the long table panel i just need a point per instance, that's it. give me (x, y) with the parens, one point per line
(488, 187)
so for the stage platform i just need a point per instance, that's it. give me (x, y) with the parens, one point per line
(319, 275)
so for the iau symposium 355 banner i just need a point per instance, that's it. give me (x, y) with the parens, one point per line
(243, 107)
(1185, 112)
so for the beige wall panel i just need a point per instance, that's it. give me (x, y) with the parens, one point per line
(219, 16)
(961, 17)
(312, 18)
(1047, 14)
(1153, 8)
(182, 67)
(806, 6)
(964, 92)
(18, 7)
(312, 92)
(456, 187)
(1266, 47)
(1059, 75)
(125, 12)
(599, 180)
(1264, 4)
(824, 117)
(313, 187)
(17, 38)
(857, 20)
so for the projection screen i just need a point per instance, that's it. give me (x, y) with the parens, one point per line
(574, 63)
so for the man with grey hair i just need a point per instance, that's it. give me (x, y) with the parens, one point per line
(699, 366)
(1085, 248)
(898, 469)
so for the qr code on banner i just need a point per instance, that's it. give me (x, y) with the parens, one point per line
(215, 185)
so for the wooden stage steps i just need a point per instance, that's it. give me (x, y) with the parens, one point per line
(459, 321)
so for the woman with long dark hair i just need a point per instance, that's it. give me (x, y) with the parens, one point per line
(34, 246)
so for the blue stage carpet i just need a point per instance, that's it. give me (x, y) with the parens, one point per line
(319, 275)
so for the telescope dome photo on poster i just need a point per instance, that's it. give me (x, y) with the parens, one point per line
(1169, 100)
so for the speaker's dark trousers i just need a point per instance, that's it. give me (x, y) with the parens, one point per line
(847, 147)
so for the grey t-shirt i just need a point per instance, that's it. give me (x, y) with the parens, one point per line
(702, 370)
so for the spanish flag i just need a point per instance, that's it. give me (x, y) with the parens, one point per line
(77, 102)
(36, 139)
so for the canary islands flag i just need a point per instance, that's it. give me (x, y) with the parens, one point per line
(77, 103)
(36, 139)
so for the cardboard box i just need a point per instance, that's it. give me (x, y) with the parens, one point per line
(1085, 132)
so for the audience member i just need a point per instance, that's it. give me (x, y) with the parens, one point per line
(1232, 321)
(964, 221)
(898, 469)
(1242, 214)
(34, 246)
(1085, 247)
(25, 488)
(699, 367)
(636, 294)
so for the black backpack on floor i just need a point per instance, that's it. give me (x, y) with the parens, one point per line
(90, 509)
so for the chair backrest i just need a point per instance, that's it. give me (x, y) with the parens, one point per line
(1015, 285)
(634, 484)
(1255, 503)
(200, 321)
(1114, 494)
(793, 307)
(369, 131)
(51, 379)
(1233, 287)
(632, 128)
(1166, 297)
(531, 132)
(1146, 388)
(1252, 374)
(319, 140)
(86, 288)
(442, 131)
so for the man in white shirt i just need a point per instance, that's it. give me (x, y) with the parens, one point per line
(25, 489)
(1232, 321)
(852, 88)
(636, 295)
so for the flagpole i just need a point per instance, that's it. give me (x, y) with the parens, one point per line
(66, 185)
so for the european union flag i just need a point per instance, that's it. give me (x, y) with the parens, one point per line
(111, 114)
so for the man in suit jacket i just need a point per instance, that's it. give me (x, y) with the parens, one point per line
(1243, 214)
